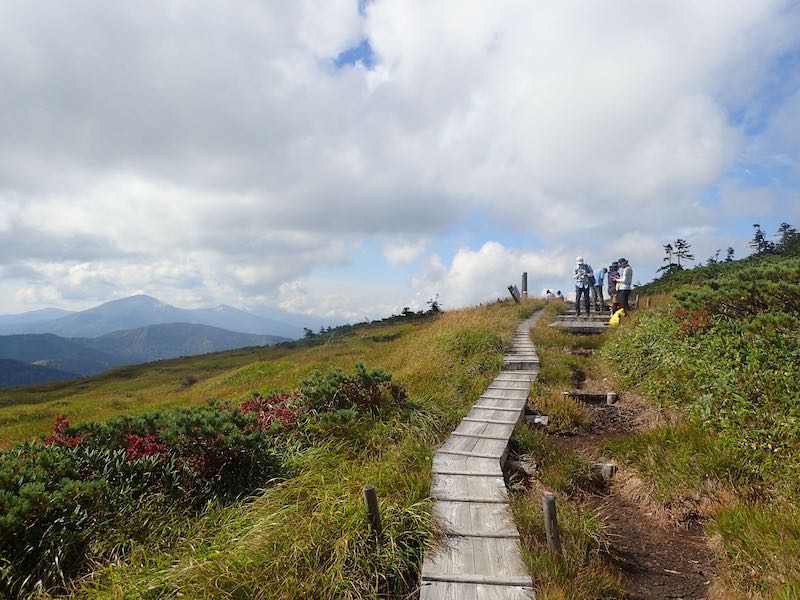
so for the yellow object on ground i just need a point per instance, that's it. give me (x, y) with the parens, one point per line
(615, 318)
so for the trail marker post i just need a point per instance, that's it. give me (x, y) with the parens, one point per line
(374, 516)
(525, 284)
(551, 522)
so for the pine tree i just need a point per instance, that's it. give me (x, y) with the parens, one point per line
(682, 251)
(787, 235)
(760, 243)
(729, 254)
(667, 268)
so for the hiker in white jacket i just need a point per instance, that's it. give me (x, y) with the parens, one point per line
(624, 282)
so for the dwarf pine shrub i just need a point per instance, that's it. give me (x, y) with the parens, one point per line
(90, 491)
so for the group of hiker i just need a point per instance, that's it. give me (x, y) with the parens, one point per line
(617, 279)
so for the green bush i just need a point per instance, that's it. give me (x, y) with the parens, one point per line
(729, 354)
(365, 390)
(91, 491)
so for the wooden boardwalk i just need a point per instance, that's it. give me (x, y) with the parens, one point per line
(479, 557)
(593, 323)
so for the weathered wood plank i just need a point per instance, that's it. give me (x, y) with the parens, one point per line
(467, 464)
(521, 378)
(475, 557)
(477, 428)
(509, 385)
(467, 488)
(451, 590)
(475, 454)
(461, 518)
(500, 405)
(507, 394)
(474, 445)
(469, 419)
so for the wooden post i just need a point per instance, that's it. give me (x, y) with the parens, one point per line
(371, 504)
(525, 284)
(647, 302)
(551, 522)
(611, 398)
(512, 289)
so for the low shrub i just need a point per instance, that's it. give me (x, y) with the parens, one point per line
(365, 390)
(62, 499)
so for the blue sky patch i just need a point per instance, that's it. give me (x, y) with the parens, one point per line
(362, 53)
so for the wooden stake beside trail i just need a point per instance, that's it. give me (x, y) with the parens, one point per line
(371, 504)
(551, 522)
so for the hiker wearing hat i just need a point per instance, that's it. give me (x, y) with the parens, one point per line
(613, 274)
(624, 283)
(584, 279)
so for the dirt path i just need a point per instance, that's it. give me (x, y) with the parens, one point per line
(658, 559)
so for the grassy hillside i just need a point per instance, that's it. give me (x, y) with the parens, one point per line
(722, 359)
(305, 534)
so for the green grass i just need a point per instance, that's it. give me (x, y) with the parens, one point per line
(567, 415)
(307, 536)
(681, 462)
(762, 536)
(584, 571)
(721, 358)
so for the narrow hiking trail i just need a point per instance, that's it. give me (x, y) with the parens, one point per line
(658, 558)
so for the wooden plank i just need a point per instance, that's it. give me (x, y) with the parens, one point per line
(482, 436)
(517, 377)
(476, 557)
(473, 454)
(459, 444)
(497, 473)
(476, 466)
(460, 518)
(490, 412)
(469, 419)
(508, 394)
(480, 429)
(451, 590)
(511, 364)
(498, 405)
(509, 385)
(469, 488)
(510, 581)
(474, 445)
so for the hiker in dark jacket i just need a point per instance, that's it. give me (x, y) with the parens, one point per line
(611, 278)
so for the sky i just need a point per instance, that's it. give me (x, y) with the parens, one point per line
(349, 158)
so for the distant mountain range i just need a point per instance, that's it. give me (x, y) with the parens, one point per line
(139, 311)
(42, 357)
(53, 345)
(14, 373)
